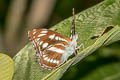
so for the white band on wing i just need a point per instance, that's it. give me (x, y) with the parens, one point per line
(56, 50)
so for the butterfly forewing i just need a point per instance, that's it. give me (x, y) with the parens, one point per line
(49, 46)
(42, 36)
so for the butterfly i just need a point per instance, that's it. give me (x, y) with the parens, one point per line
(53, 48)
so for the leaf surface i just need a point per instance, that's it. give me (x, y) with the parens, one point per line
(6, 67)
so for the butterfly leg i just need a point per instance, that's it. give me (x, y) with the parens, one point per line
(81, 45)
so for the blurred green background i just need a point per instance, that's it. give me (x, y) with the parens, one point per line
(18, 16)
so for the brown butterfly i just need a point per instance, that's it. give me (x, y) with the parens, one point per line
(52, 48)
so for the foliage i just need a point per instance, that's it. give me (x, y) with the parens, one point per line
(6, 67)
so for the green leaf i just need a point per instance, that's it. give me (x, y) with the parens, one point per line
(91, 22)
(105, 72)
(6, 67)
(98, 66)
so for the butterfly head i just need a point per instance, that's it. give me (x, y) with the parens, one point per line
(70, 49)
(72, 45)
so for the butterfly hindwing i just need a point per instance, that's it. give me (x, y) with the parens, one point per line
(52, 56)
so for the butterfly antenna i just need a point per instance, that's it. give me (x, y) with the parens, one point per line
(72, 33)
